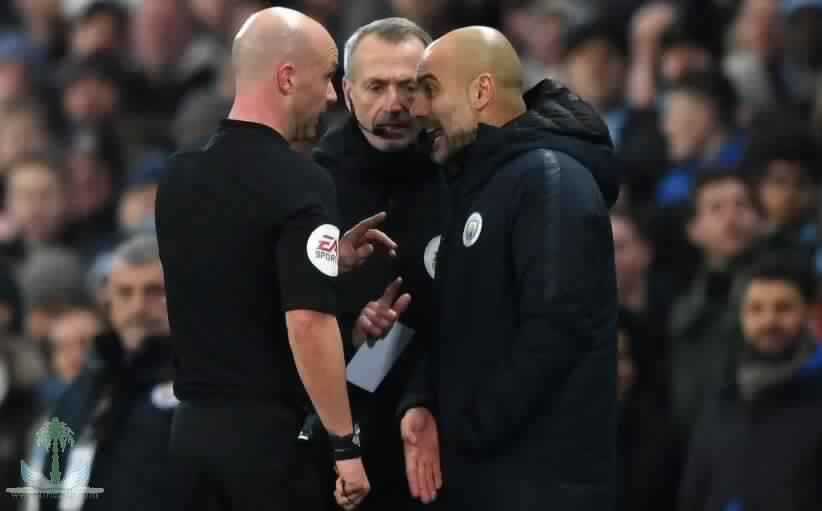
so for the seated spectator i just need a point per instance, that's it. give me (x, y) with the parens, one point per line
(21, 368)
(781, 163)
(698, 122)
(122, 404)
(70, 338)
(92, 88)
(758, 446)
(596, 61)
(136, 212)
(646, 294)
(102, 25)
(24, 130)
(36, 199)
(17, 61)
(723, 224)
(52, 282)
(95, 166)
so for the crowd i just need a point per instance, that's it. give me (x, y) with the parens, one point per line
(714, 107)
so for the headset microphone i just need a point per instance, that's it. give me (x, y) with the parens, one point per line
(378, 131)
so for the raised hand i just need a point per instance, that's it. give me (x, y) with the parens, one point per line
(358, 243)
(377, 318)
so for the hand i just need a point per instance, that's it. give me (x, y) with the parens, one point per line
(352, 483)
(358, 243)
(422, 453)
(379, 316)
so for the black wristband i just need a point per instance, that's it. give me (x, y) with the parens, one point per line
(345, 447)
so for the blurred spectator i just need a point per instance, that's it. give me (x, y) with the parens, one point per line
(101, 26)
(92, 88)
(755, 45)
(646, 29)
(122, 403)
(704, 329)
(214, 16)
(70, 341)
(699, 125)
(800, 70)
(538, 27)
(782, 164)
(95, 164)
(170, 57)
(136, 212)
(24, 130)
(11, 303)
(596, 65)
(758, 445)
(44, 24)
(36, 203)
(52, 282)
(20, 369)
(681, 51)
(646, 294)
(17, 67)
(649, 454)
(198, 116)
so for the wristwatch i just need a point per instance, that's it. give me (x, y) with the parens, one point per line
(346, 447)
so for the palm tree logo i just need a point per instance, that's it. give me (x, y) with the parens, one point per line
(56, 436)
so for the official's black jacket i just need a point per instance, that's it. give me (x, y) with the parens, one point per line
(124, 404)
(522, 374)
(410, 188)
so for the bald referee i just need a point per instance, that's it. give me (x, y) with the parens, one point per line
(250, 250)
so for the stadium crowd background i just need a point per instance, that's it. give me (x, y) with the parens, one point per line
(714, 105)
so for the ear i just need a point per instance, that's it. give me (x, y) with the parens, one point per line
(286, 78)
(347, 86)
(481, 91)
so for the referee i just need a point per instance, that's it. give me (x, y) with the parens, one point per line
(250, 250)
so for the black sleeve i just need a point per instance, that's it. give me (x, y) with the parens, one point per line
(307, 253)
(559, 235)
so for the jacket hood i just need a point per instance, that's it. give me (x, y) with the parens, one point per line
(558, 120)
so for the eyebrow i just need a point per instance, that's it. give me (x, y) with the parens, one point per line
(427, 77)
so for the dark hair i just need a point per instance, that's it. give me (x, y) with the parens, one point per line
(783, 266)
(774, 137)
(597, 30)
(114, 9)
(394, 30)
(705, 177)
(713, 86)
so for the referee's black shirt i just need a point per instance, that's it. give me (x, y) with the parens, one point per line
(247, 231)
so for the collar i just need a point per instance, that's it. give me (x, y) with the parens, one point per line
(250, 127)
(405, 165)
(474, 164)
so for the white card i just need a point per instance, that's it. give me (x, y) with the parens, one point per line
(371, 364)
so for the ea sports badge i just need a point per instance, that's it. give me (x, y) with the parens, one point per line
(429, 257)
(472, 230)
(322, 249)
